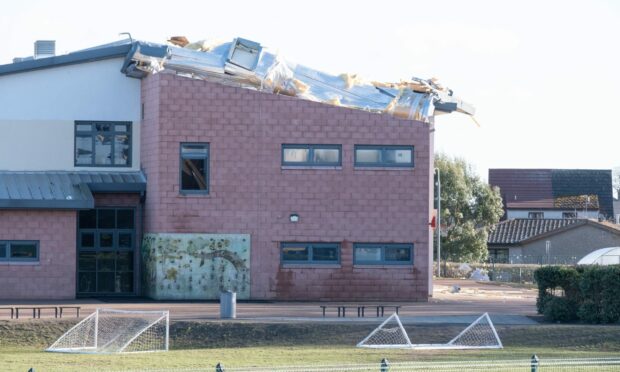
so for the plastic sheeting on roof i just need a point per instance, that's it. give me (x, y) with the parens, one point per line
(603, 256)
(247, 64)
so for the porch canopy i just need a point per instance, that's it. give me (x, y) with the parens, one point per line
(63, 190)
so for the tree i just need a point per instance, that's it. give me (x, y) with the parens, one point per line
(469, 210)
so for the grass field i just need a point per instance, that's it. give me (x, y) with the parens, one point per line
(195, 344)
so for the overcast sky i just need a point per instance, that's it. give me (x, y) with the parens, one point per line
(543, 75)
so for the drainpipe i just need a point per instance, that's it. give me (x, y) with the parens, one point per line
(438, 222)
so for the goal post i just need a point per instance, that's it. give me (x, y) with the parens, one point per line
(389, 335)
(116, 331)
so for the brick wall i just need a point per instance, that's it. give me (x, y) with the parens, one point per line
(53, 277)
(251, 193)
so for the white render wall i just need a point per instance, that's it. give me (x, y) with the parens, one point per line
(38, 110)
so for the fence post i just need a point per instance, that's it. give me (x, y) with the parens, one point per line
(385, 365)
(534, 363)
(219, 368)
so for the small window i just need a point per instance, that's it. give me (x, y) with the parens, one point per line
(568, 215)
(19, 251)
(315, 253)
(102, 144)
(312, 155)
(536, 215)
(498, 255)
(383, 254)
(383, 156)
(194, 171)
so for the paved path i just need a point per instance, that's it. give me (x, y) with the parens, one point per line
(506, 304)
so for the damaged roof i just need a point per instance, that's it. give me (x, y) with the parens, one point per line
(247, 64)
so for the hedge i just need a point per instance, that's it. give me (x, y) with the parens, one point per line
(588, 293)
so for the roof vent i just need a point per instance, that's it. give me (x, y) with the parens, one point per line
(44, 48)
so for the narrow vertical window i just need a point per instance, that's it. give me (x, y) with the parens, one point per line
(194, 172)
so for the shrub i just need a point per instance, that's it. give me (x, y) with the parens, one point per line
(560, 309)
(590, 293)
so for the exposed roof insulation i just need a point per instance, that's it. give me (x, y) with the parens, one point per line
(247, 64)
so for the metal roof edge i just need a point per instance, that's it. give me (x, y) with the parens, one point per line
(47, 204)
(84, 56)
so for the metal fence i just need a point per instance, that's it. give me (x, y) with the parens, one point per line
(520, 365)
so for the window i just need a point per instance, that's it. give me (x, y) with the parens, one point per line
(102, 144)
(314, 253)
(382, 254)
(312, 155)
(536, 215)
(498, 255)
(194, 177)
(19, 251)
(569, 214)
(383, 156)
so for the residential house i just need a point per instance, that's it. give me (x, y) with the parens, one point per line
(554, 193)
(549, 241)
(119, 180)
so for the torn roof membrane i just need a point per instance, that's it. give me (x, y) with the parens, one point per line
(247, 64)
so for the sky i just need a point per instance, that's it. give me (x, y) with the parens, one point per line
(543, 75)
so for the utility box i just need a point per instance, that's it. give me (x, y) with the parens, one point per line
(228, 305)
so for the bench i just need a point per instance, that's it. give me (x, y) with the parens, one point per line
(9, 308)
(77, 310)
(36, 310)
(342, 309)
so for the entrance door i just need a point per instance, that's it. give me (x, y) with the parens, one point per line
(106, 247)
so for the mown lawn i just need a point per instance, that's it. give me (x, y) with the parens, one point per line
(203, 345)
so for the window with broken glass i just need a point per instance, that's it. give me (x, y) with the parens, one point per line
(102, 144)
(194, 173)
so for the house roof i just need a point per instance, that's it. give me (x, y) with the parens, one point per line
(520, 230)
(107, 51)
(563, 189)
(63, 190)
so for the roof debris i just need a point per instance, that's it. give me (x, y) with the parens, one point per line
(247, 64)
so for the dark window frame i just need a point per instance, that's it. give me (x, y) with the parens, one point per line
(383, 247)
(311, 148)
(9, 243)
(383, 149)
(536, 215)
(495, 253)
(206, 158)
(93, 133)
(310, 246)
(569, 215)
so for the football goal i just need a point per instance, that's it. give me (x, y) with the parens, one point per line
(481, 334)
(389, 335)
(116, 331)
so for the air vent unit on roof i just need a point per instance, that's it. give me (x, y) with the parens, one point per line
(44, 48)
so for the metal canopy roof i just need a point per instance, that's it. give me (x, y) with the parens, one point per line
(63, 190)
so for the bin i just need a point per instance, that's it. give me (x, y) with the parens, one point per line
(228, 305)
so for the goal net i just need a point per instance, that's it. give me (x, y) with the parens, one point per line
(116, 331)
(481, 334)
(389, 335)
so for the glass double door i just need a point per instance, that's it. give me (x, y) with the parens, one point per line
(106, 247)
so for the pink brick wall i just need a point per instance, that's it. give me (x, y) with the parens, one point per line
(54, 276)
(251, 193)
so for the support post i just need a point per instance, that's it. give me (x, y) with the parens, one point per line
(385, 365)
(96, 327)
(535, 363)
(438, 222)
